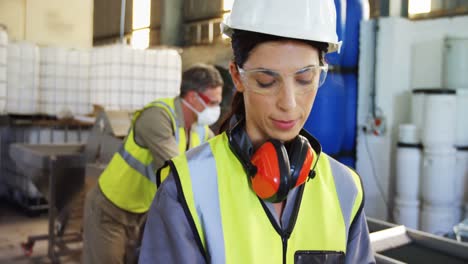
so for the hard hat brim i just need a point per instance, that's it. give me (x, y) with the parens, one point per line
(228, 31)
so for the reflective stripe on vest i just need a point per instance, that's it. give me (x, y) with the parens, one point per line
(145, 170)
(232, 224)
(129, 181)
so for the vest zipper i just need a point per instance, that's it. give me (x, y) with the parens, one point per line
(285, 247)
(285, 234)
(292, 221)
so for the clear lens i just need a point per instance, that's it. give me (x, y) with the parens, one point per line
(269, 82)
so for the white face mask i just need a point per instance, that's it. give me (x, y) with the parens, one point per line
(208, 116)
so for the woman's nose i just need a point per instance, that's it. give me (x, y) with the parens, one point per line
(287, 97)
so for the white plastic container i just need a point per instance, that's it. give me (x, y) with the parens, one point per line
(456, 63)
(120, 76)
(439, 220)
(23, 78)
(439, 118)
(462, 174)
(417, 111)
(466, 211)
(438, 178)
(408, 170)
(407, 133)
(461, 137)
(406, 212)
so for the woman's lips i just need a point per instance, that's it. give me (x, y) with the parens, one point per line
(284, 124)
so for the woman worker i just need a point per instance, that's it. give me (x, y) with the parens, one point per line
(262, 191)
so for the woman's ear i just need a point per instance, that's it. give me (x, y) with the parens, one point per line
(236, 78)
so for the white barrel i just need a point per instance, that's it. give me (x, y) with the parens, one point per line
(461, 171)
(407, 134)
(406, 212)
(439, 220)
(439, 118)
(408, 170)
(417, 110)
(461, 135)
(438, 178)
(466, 211)
(456, 63)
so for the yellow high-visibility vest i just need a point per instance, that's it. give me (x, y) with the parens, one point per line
(129, 181)
(232, 225)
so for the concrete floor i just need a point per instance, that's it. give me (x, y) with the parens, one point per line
(15, 227)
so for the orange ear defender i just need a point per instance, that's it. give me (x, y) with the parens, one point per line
(275, 168)
(272, 177)
(280, 167)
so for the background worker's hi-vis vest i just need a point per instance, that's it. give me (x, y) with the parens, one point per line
(231, 225)
(129, 181)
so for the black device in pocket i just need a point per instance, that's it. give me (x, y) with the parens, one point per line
(318, 257)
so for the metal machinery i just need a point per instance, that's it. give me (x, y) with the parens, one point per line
(396, 244)
(64, 173)
(35, 129)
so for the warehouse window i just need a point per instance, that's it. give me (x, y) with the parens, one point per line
(227, 5)
(419, 6)
(141, 23)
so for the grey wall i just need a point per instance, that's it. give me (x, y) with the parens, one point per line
(107, 20)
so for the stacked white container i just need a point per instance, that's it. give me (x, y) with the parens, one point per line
(461, 141)
(441, 208)
(408, 165)
(462, 176)
(456, 63)
(22, 78)
(417, 111)
(64, 82)
(122, 78)
(3, 69)
(439, 120)
(461, 136)
(455, 77)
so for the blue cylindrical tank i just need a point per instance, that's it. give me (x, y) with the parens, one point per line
(349, 138)
(348, 161)
(327, 118)
(356, 10)
(335, 58)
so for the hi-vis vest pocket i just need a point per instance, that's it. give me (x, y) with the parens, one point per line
(318, 257)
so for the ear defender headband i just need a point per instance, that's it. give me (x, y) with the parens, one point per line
(275, 168)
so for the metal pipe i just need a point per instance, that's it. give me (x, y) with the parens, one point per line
(374, 70)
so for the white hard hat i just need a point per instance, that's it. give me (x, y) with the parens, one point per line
(300, 19)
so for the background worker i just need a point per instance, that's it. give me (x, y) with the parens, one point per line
(262, 191)
(115, 209)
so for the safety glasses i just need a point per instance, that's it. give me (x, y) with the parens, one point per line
(269, 82)
(207, 100)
